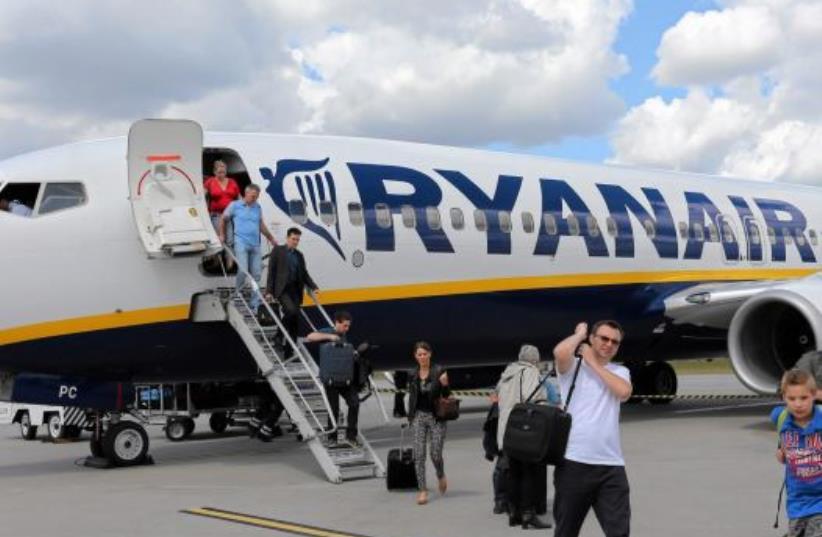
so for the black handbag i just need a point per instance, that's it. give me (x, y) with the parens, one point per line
(538, 433)
(447, 408)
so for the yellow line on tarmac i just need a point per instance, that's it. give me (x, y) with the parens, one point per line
(268, 523)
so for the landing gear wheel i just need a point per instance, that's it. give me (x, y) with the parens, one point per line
(659, 379)
(176, 429)
(54, 427)
(189, 425)
(218, 421)
(27, 430)
(125, 444)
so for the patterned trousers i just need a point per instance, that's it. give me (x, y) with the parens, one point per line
(806, 527)
(425, 428)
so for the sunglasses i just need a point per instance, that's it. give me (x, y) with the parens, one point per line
(606, 339)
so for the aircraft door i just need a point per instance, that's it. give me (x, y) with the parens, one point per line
(165, 179)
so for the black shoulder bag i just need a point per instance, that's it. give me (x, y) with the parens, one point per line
(538, 433)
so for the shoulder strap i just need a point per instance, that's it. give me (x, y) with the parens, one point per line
(533, 393)
(573, 384)
(780, 421)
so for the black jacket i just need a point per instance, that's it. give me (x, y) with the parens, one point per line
(437, 389)
(278, 272)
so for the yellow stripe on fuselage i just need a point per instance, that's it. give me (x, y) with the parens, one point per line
(397, 292)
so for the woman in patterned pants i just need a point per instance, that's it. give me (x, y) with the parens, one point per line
(427, 384)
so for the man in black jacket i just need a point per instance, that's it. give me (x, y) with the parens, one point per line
(288, 278)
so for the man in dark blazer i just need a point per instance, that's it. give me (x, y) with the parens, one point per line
(288, 278)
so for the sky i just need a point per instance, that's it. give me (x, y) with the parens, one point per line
(728, 87)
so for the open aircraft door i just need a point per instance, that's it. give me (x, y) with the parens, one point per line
(165, 179)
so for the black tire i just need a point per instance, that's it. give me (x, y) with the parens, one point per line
(176, 429)
(218, 421)
(96, 448)
(72, 431)
(125, 444)
(189, 425)
(54, 427)
(27, 430)
(659, 379)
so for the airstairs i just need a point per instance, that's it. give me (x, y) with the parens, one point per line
(294, 376)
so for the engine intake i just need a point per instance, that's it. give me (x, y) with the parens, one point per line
(771, 330)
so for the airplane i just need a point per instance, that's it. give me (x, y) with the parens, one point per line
(474, 251)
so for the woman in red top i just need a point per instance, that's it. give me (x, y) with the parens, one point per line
(220, 191)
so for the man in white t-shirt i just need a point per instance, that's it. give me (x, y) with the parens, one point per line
(593, 473)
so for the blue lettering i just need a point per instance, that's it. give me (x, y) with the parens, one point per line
(751, 229)
(371, 179)
(619, 202)
(505, 196)
(555, 193)
(700, 205)
(795, 227)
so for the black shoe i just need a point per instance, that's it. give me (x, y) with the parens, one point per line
(530, 520)
(500, 508)
(276, 431)
(514, 518)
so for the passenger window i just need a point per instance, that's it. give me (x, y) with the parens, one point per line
(328, 214)
(296, 208)
(355, 215)
(753, 232)
(432, 215)
(788, 236)
(800, 238)
(573, 225)
(383, 215)
(771, 235)
(59, 196)
(610, 224)
(713, 235)
(504, 221)
(527, 222)
(683, 230)
(727, 233)
(550, 223)
(19, 198)
(698, 232)
(650, 228)
(480, 220)
(814, 238)
(457, 218)
(593, 226)
(409, 216)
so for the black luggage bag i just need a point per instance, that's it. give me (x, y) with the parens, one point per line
(400, 473)
(337, 364)
(538, 433)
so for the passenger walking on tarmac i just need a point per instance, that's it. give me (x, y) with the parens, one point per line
(427, 384)
(527, 482)
(351, 392)
(287, 279)
(247, 217)
(593, 473)
(800, 450)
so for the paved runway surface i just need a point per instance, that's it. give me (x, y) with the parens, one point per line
(696, 467)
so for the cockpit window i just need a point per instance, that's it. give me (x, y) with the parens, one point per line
(19, 198)
(59, 196)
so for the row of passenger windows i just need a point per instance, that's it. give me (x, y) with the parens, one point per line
(382, 213)
(32, 199)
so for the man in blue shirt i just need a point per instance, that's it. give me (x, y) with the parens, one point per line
(247, 217)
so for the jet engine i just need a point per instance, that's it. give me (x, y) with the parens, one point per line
(772, 329)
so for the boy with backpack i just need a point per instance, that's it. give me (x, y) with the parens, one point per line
(799, 424)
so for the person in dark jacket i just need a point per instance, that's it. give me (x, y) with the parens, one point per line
(427, 384)
(287, 280)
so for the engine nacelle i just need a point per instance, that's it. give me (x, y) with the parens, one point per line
(772, 329)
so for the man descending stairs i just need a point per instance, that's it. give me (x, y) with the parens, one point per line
(293, 375)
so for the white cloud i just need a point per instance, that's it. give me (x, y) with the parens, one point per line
(753, 73)
(460, 72)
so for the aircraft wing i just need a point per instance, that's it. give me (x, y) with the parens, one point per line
(712, 305)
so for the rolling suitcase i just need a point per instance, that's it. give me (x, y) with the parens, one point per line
(337, 364)
(400, 473)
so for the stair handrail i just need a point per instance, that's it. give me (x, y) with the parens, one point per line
(255, 288)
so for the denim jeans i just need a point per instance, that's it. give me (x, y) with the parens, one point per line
(249, 259)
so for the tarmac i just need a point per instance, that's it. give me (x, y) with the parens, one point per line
(696, 467)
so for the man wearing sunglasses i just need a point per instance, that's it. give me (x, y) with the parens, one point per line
(593, 473)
